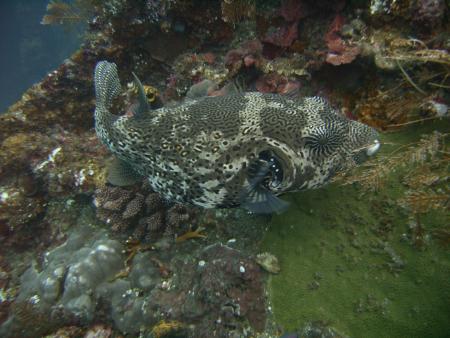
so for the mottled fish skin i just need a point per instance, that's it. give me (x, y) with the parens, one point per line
(200, 152)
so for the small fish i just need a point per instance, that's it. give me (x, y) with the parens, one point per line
(242, 149)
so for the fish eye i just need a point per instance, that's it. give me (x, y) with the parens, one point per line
(274, 177)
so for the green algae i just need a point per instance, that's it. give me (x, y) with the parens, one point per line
(346, 260)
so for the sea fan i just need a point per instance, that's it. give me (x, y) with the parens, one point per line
(60, 12)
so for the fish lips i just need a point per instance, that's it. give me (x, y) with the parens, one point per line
(373, 148)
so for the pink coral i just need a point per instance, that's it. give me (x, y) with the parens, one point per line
(269, 83)
(247, 55)
(275, 83)
(339, 51)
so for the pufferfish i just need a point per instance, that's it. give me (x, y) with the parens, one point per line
(242, 149)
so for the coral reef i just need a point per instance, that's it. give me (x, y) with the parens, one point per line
(339, 51)
(247, 55)
(386, 63)
(83, 275)
(427, 13)
(165, 328)
(142, 213)
(63, 289)
(235, 10)
(36, 168)
(283, 36)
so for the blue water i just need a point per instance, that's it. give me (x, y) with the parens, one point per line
(29, 50)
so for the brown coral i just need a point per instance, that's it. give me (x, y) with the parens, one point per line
(134, 207)
(138, 211)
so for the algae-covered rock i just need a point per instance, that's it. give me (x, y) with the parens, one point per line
(352, 258)
(67, 281)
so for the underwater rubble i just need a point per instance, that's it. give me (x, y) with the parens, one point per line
(80, 257)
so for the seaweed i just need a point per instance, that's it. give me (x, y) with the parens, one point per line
(417, 92)
(424, 201)
(430, 151)
(423, 171)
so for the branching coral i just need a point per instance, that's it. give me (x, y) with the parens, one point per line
(414, 97)
(429, 62)
(383, 111)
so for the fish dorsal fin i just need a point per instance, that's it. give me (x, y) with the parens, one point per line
(257, 198)
(143, 105)
(121, 174)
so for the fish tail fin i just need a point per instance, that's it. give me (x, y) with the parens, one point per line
(107, 84)
(107, 87)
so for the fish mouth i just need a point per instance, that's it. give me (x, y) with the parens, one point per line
(373, 148)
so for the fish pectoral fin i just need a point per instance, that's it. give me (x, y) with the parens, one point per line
(256, 197)
(259, 200)
(121, 174)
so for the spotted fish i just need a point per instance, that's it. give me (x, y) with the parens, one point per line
(243, 149)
